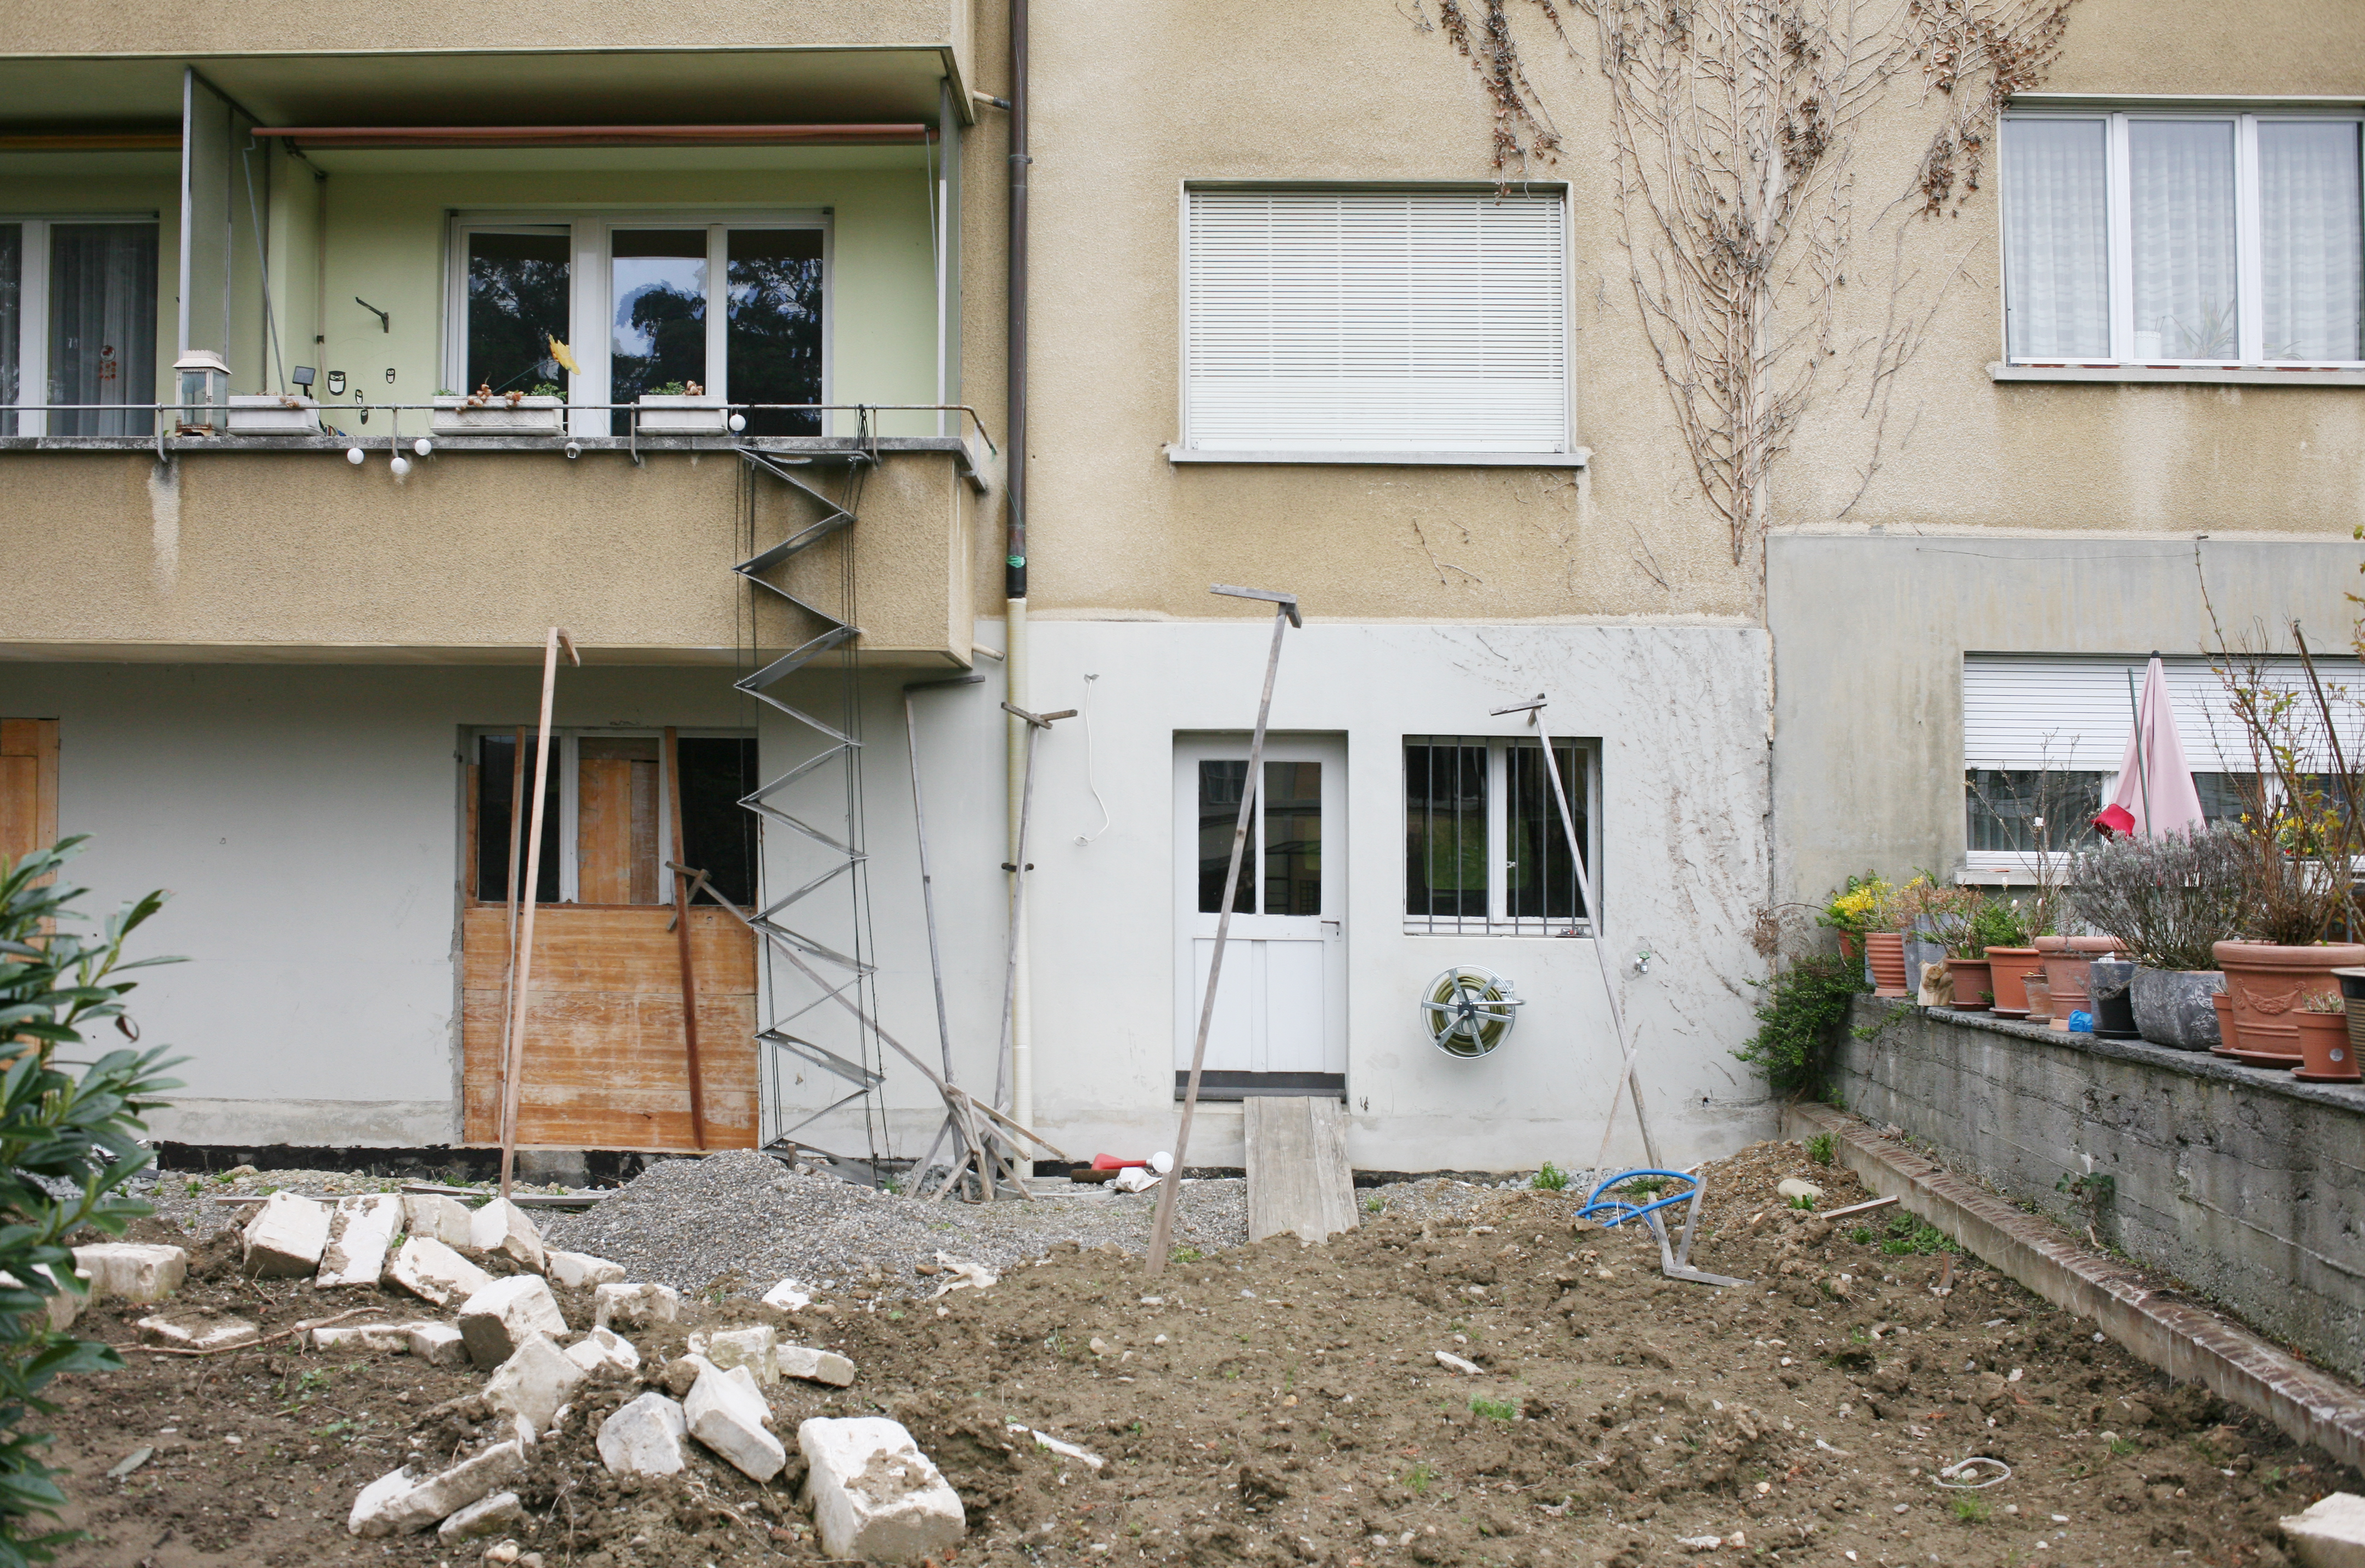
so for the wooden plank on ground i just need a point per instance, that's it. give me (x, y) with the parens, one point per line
(1299, 1182)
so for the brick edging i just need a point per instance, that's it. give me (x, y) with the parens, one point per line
(2187, 1342)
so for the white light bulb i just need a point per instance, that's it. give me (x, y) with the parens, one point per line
(738, 422)
(354, 455)
(422, 446)
(401, 465)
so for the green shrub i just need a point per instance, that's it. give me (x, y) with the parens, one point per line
(1551, 1179)
(1819, 1148)
(79, 1133)
(1801, 1018)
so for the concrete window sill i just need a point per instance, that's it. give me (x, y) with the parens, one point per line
(1576, 458)
(2179, 374)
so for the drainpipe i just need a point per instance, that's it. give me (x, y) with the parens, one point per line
(1022, 1052)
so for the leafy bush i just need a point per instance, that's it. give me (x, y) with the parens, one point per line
(58, 1133)
(2169, 900)
(1551, 1179)
(1800, 1021)
(1820, 1149)
(1854, 908)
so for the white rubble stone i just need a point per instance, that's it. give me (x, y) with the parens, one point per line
(874, 1494)
(438, 1344)
(63, 1305)
(1792, 1187)
(2329, 1534)
(360, 1231)
(382, 1338)
(749, 1348)
(1452, 1363)
(285, 1237)
(129, 1270)
(399, 1501)
(635, 1306)
(489, 1515)
(535, 1382)
(437, 1218)
(726, 1413)
(644, 1437)
(789, 1295)
(580, 1270)
(604, 1347)
(430, 1270)
(197, 1330)
(1064, 1449)
(496, 1319)
(502, 1228)
(815, 1366)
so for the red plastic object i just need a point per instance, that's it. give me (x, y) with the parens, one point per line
(1111, 1162)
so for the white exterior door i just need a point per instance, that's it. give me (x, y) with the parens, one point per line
(1280, 1025)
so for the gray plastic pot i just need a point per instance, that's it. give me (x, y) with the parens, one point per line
(2173, 1009)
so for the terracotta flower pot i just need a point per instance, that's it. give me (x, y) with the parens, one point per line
(1974, 984)
(1851, 946)
(2268, 983)
(2040, 997)
(2068, 960)
(2008, 964)
(1885, 950)
(2229, 1034)
(2331, 1056)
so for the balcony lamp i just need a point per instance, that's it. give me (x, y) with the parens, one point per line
(204, 392)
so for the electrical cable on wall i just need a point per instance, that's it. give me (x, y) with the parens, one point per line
(1084, 838)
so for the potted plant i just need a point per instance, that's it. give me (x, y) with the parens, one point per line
(1967, 955)
(542, 412)
(1851, 912)
(2329, 1055)
(681, 407)
(271, 413)
(2004, 930)
(1918, 913)
(2068, 961)
(2169, 900)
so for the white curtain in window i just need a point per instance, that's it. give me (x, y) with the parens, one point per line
(2057, 218)
(2311, 240)
(2180, 175)
(102, 325)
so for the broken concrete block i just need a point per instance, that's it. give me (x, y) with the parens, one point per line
(635, 1305)
(197, 1330)
(63, 1305)
(535, 1382)
(874, 1494)
(644, 1437)
(437, 1218)
(580, 1270)
(129, 1270)
(1064, 1449)
(815, 1366)
(495, 1320)
(360, 1231)
(749, 1348)
(432, 1271)
(488, 1516)
(1792, 1187)
(438, 1344)
(725, 1412)
(1462, 1364)
(398, 1501)
(604, 1347)
(789, 1295)
(502, 1229)
(284, 1237)
(2329, 1534)
(376, 1338)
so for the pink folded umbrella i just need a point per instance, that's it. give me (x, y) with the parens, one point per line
(2154, 794)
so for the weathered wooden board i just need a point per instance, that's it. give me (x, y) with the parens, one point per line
(604, 1060)
(28, 785)
(1299, 1182)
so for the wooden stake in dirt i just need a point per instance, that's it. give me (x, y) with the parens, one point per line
(681, 936)
(521, 957)
(1284, 616)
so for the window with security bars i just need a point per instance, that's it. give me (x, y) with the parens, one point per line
(1380, 321)
(1485, 852)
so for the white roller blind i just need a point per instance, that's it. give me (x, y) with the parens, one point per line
(2026, 710)
(1375, 321)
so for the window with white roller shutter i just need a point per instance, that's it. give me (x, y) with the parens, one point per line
(1376, 323)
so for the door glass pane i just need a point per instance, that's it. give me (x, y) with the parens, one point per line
(2056, 228)
(616, 820)
(12, 319)
(1445, 830)
(1292, 837)
(2181, 175)
(496, 779)
(1220, 784)
(774, 344)
(1540, 878)
(102, 326)
(519, 300)
(2311, 227)
(658, 315)
(718, 834)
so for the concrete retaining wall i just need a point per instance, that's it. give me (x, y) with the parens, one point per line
(2245, 1184)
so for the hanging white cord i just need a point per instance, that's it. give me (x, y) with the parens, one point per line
(1083, 838)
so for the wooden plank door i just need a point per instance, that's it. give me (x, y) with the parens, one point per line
(28, 785)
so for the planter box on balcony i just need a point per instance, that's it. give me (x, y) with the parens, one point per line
(527, 415)
(267, 413)
(661, 415)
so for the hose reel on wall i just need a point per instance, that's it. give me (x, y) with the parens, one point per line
(1469, 1011)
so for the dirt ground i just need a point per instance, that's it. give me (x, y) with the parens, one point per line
(1282, 1403)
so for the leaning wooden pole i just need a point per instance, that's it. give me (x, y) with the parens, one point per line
(513, 1049)
(1285, 615)
(681, 935)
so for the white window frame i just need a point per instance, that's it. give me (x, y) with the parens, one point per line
(33, 311)
(591, 254)
(1498, 920)
(2248, 285)
(1565, 453)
